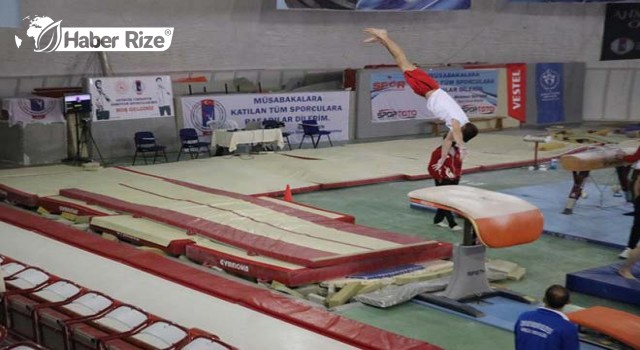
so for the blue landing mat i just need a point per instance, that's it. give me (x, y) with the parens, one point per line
(499, 312)
(596, 219)
(604, 282)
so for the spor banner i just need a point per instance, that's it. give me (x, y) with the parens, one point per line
(475, 90)
(123, 98)
(375, 5)
(393, 100)
(621, 38)
(549, 96)
(206, 113)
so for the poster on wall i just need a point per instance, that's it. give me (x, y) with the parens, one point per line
(549, 93)
(374, 5)
(621, 38)
(517, 91)
(32, 110)
(206, 113)
(475, 90)
(124, 98)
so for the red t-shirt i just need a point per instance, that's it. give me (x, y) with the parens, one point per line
(420, 81)
(452, 167)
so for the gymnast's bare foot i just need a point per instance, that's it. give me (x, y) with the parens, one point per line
(626, 273)
(376, 34)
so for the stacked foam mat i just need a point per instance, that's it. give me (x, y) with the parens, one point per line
(48, 311)
(254, 237)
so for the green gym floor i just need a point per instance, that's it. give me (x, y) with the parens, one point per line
(547, 260)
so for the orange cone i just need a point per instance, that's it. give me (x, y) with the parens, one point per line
(287, 194)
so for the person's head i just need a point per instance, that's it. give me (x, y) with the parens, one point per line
(469, 131)
(159, 81)
(98, 84)
(556, 297)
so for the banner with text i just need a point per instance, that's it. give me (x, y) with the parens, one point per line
(621, 39)
(374, 5)
(517, 91)
(125, 98)
(33, 110)
(549, 92)
(209, 112)
(475, 90)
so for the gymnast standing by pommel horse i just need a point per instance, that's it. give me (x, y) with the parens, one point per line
(493, 220)
(581, 164)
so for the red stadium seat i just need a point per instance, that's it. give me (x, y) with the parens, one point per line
(121, 321)
(22, 308)
(52, 327)
(201, 340)
(159, 334)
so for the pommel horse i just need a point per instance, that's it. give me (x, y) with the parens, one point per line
(600, 158)
(493, 220)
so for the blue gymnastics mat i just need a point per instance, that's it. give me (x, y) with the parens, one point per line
(596, 219)
(604, 282)
(499, 312)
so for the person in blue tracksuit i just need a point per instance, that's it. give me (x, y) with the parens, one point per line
(547, 328)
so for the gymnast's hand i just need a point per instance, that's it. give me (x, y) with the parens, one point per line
(464, 152)
(439, 164)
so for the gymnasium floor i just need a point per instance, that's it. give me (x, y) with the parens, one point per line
(547, 260)
(384, 206)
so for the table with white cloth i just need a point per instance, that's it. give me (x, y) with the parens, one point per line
(231, 139)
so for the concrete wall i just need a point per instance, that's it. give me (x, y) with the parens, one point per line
(249, 34)
(32, 144)
(115, 138)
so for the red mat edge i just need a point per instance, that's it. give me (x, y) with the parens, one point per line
(264, 301)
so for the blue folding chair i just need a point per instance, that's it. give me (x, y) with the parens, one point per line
(190, 141)
(311, 128)
(146, 143)
(274, 124)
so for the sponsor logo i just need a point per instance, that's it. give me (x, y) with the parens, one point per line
(388, 85)
(208, 115)
(549, 79)
(516, 89)
(48, 36)
(37, 108)
(234, 265)
(622, 46)
(68, 210)
(395, 114)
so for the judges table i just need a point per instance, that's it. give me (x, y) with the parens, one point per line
(231, 139)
